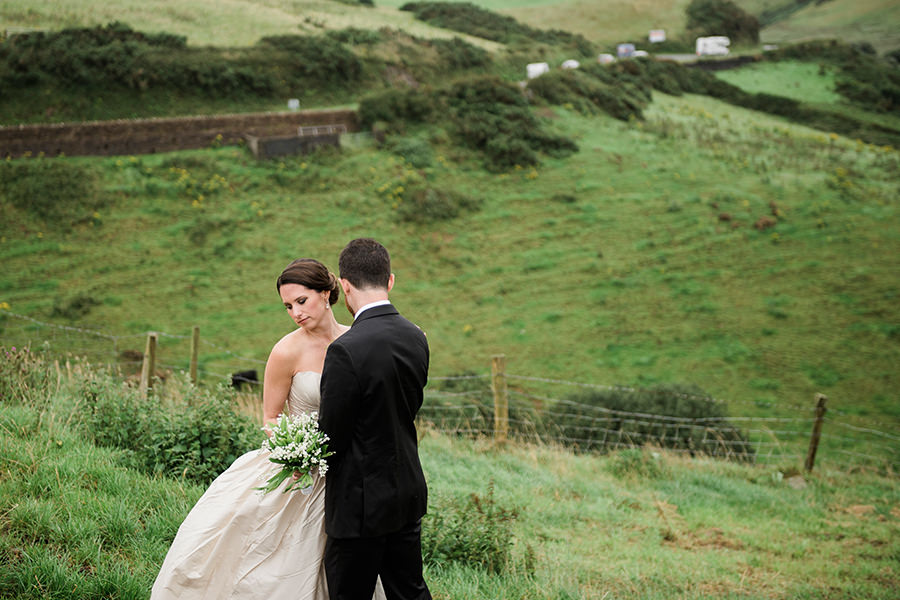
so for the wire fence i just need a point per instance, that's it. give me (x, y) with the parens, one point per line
(585, 417)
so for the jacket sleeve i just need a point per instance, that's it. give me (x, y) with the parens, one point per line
(340, 400)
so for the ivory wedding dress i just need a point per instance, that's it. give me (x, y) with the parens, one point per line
(238, 543)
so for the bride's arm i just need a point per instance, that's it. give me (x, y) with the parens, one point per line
(276, 383)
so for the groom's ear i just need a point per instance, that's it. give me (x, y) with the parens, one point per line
(390, 282)
(346, 286)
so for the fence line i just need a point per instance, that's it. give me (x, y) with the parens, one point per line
(466, 404)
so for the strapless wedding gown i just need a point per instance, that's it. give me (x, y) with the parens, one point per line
(238, 543)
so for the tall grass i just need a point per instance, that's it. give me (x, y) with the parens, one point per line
(76, 522)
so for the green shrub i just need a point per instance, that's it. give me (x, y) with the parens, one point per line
(395, 105)
(429, 205)
(318, 58)
(117, 57)
(459, 54)
(74, 308)
(355, 37)
(479, 22)
(196, 438)
(200, 440)
(622, 91)
(493, 117)
(721, 17)
(680, 417)
(476, 534)
(415, 151)
(49, 189)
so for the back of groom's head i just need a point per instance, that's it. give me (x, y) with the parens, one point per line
(365, 264)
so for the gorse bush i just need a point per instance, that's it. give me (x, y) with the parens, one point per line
(721, 17)
(588, 94)
(428, 205)
(318, 58)
(55, 192)
(459, 54)
(680, 417)
(115, 56)
(395, 105)
(479, 22)
(493, 117)
(417, 152)
(354, 36)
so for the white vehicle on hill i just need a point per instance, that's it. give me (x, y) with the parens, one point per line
(715, 45)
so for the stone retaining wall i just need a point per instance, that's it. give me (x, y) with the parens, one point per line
(146, 136)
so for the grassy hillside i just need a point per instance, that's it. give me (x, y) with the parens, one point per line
(207, 22)
(635, 261)
(243, 22)
(79, 521)
(872, 21)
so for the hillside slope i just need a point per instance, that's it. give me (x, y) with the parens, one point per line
(876, 22)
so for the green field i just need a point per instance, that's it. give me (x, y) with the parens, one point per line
(703, 244)
(634, 262)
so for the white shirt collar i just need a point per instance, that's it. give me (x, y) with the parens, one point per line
(370, 305)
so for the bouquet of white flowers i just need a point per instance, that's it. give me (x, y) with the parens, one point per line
(298, 445)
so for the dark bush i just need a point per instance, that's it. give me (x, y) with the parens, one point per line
(52, 190)
(459, 54)
(415, 151)
(318, 58)
(479, 22)
(117, 57)
(493, 117)
(395, 105)
(668, 416)
(721, 17)
(429, 205)
(355, 37)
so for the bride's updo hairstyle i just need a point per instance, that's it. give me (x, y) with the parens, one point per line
(310, 273)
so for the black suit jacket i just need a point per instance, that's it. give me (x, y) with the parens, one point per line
(372, 388)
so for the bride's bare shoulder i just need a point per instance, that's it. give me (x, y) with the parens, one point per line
(288, 345)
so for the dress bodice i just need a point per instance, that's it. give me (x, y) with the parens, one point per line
(304, 394)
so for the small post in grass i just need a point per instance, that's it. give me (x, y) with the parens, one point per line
(195, 353)
(501, 402)
(816, 432)
(148, 368)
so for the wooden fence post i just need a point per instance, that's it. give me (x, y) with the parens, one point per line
(501, 403)
(148, 368)
(816, 432)
(195, 353)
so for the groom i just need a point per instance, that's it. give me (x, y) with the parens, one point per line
(372, 387)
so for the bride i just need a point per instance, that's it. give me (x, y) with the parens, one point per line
(236, 542)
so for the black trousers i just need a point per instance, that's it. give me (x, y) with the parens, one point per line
(352, 566)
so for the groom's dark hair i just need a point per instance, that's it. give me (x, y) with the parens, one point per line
(365, 264)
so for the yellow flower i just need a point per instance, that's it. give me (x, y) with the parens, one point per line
(4, 306)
